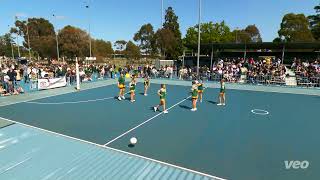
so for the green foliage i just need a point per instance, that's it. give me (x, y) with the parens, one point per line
(241, 36)
(102, 48)
(171, 24)
(41, 34)
(166, 41)
(254, 33)
(295, 28)
(5, 45)
(145, 36)
(120, 45)
(315, 23)
(132, 51)
(277, 40)
(210, 33)
(73, 42)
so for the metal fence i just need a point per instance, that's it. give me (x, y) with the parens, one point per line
(297, 81)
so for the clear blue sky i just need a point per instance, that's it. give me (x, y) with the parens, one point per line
(120, 19)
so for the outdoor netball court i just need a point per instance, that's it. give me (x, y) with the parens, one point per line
(248, 139)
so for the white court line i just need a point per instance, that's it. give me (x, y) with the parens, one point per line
(146, 121)
(73, 102)
(51, 95)
(117, 150)
(259, 112)
(15, 165)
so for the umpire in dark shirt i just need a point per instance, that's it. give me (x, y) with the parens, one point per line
(12, 75)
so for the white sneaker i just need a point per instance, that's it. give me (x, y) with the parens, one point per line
(223, 104)
(219, 104)
(133, 100)
(119, 98)
(193, 109)
(123, 97)
(200, 101)
(155, 109)
(145, 94)
(165, 112)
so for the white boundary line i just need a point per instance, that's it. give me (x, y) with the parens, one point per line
(71, 102)
(244, 87)
(146, 121)
(260, 112)
(117, 150)
(74, 102)
(51, 95)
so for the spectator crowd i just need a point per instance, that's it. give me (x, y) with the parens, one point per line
(15, 77)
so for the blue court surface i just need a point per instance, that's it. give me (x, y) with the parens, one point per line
(248, 139)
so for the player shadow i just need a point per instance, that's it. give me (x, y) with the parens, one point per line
(184, 107)
(141, 94)
(212, 102)
(130, 145)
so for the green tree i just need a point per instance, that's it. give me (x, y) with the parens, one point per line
(120, 46)
(278, 40)
(132, 51)
(41, 34)
(102, 48)
(315, 23)
(241, 36)
(5, 45)
(295, 28)
(73, 42)
(210, 33)
(165, 41)
(253, 33)
(145, 36)
(171, 24)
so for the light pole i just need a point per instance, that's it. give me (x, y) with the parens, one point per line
(199, 33)
(17, 39)
(237, 29)
(28, 39)
(18, 46)
(12, 53)
(161, 13)
(88, 7)
(57, 43)
(29, 48)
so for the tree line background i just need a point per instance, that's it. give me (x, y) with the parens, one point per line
(166, 42)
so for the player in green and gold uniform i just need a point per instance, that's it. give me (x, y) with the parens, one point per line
(146, 85)
(121, 86)
(200, 89)
(222, 94)
(132, 86)
(194, 95)
(162, 94)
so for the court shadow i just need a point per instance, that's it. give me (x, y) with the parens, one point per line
(184, 107)
(212, 102)
(130, 145)
(141, 94)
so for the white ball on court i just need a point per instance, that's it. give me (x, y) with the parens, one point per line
(133, 140)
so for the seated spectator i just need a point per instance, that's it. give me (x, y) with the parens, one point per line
(3, 91)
